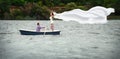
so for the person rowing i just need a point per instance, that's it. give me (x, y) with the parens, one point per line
(38, 28)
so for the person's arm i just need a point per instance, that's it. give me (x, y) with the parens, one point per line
(42, 27)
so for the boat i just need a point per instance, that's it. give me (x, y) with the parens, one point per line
(32, 32)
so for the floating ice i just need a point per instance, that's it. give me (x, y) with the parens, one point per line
(96, 14)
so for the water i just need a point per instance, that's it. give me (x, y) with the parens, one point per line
(76, 41)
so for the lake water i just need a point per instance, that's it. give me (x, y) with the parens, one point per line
(76, 41)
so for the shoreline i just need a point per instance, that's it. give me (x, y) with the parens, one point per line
(113, 17)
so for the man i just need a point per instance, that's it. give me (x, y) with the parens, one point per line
(39, 27)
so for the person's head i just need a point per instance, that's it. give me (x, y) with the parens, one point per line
(38, 24)
(51, 13)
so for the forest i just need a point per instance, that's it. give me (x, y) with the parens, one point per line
(40, 9)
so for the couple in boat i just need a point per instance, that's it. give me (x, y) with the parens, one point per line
(38, 28)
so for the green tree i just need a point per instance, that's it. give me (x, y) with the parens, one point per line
(18, 2)
(109, 3)
(117, 7)
(4, 7)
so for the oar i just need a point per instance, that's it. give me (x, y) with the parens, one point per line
(44, 31)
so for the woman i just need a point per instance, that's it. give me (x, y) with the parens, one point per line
(51, 21)
(39, 27)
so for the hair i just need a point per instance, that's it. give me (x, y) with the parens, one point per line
(37, 23)
(51, 13)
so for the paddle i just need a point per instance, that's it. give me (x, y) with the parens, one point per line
(44, 31)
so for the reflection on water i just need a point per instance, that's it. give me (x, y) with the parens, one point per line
(76, 41)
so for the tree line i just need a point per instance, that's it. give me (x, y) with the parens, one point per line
(40, 9)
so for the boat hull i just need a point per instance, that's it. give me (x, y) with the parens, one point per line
(25, 32)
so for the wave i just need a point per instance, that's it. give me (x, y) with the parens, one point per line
(6, 33)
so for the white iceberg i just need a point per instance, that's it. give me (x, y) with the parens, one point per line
(96, 14)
